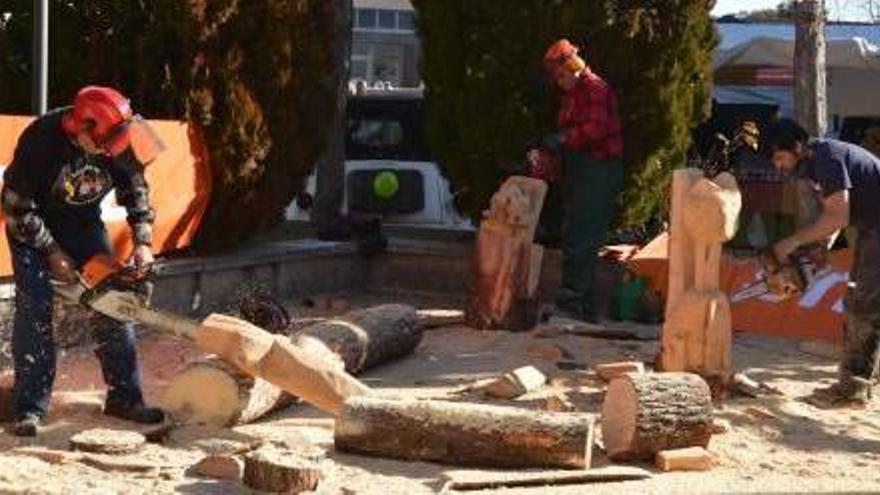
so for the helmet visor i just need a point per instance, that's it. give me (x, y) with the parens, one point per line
(137, 134)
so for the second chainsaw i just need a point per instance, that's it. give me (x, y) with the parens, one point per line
(785, 279)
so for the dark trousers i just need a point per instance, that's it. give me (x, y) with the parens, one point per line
(861, 350)
(33, 344)
(590, 189)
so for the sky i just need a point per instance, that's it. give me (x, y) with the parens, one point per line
(848, 10)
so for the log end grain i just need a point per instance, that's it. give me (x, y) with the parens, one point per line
(221, 467)
(646, 413)
(278, 471)
(203, 395)
(106, 441)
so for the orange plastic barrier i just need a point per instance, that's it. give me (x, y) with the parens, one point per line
(180, 186)
(816, 315)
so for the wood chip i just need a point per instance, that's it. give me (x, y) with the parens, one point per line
(760, 413)
(516, 383)
(752, 388)
(490, 479)
(721, 426)
(114, 463)
(50, 456)
(610, 371)
(106, 441)
(221, 467)
(690, 459)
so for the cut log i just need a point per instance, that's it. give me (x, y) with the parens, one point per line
(646, 413)
(610, 371)
(277, 471)
(690, 459)
(369, 337)
(211, 392)
(464, 480)
(105, 441)
(465, 434)
(435, 318)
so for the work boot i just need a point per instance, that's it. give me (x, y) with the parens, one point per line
(27, 426)
(854, 392)
(139, 413)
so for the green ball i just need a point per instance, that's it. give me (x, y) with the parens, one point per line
(386, 184)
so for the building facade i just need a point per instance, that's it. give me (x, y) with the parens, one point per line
(385, 46)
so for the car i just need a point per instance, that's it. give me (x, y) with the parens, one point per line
(389, 168)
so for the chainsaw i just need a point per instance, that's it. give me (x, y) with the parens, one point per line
(785, 280)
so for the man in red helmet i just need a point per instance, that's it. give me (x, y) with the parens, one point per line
(64, 164)
(589, 140)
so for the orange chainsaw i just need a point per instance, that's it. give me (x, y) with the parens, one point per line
(787, 279)
(101, 274)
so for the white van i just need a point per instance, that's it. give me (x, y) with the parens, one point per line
(386, 141)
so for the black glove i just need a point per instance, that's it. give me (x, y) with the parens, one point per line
(554, 141)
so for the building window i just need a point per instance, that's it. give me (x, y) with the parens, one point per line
(387, 19)
(366, 18)
(406, 21)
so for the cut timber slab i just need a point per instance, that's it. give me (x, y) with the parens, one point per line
(436, 318)
(464, 434)
(644, 414)
(486, 480)
(278, 471)
(104, 441)
(690, 459)
(221, 467)
(610, 371)
(515, 383)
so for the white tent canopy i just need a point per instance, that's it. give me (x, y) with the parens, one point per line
(853, 67)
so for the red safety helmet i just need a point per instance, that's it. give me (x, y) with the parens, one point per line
(106, 116)
(563, 54)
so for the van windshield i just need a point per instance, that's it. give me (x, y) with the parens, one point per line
(386, 129)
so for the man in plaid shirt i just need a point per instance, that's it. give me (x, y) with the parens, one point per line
(589, 140)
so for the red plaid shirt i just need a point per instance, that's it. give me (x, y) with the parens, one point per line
(589, 118)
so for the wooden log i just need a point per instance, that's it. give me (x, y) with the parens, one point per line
(105, 441)
(690, 459)
(464, 480)
(369, 337)
(212, 392)
(215, 393)
(220, 467)
(5, 403)
(465, 434)
(277, 471)
(646, 413)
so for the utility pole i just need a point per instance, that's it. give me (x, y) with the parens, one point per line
(41, 57)
(330, 170)
(810, 95)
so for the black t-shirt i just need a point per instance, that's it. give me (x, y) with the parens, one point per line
(838, 166)
(52, 186)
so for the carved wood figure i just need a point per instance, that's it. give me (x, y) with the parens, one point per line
(697, 335)
(507, 263)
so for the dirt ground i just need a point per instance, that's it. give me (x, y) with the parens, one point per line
(776, 444)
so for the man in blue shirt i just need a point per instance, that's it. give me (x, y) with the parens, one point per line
(847, 179)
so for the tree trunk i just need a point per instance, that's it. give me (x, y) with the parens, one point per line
(810, 101)
(276, 471)
(465, 434)
(330, 170)
(646, 413)
(213, 392)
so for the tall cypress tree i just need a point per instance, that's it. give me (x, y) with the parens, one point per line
(487, 94)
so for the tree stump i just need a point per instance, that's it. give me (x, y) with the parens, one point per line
(464, 434)
(646, 413)
(277, 471)
(104, 441)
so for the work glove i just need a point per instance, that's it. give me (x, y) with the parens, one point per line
(554, 141)
(61, 266)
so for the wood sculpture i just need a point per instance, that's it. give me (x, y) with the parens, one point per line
(696, 336)
(507, 262)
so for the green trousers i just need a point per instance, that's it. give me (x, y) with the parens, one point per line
(590, 189)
